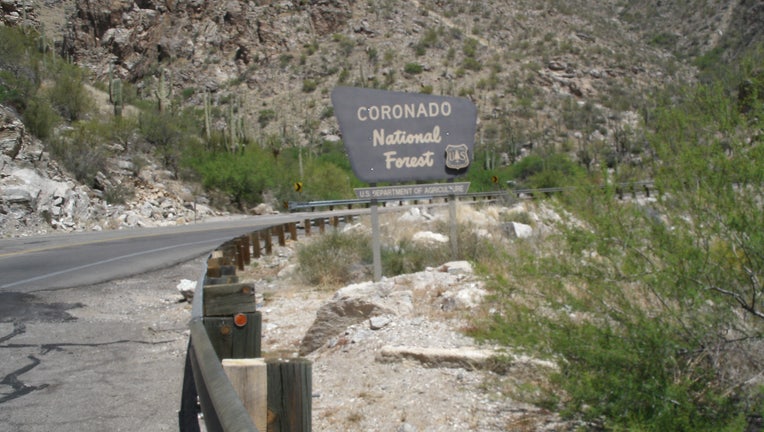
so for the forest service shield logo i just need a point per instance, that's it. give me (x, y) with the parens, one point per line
(457, 156)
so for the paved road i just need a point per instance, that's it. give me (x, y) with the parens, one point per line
(67, 260)
(93, 332)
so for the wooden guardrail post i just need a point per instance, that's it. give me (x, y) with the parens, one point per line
(307, 225)
(289, 395)
(255, 240)
(321, 227)
(268, 237)
(245, 249)
(230, 318)
(280, 235)
(249, 378)
(292, 231)
(239, 255)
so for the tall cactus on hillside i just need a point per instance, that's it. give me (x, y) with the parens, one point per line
(235, 133)
(163, 90)
(115, 93)
(207, 122)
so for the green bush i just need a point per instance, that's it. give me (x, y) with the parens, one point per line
(309, 85)
(409, 257)
(265, 116)
(68, 94)
(413, 68)
(40, 118)
(242, 176)
(335, 259)
(81, 152)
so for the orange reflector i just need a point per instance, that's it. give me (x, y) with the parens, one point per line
(240, 320)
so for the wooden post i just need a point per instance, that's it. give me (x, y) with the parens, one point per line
(239, 255)
(280, 234)
(307, 224)
(292, 231)
(245, 249)
(255, 239)
(232, 341)
(268, 237)
(321, 227)
(250, 380)
(247, 340)
(289, 395)
(335, 221)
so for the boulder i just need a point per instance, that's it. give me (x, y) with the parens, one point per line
(428, 237)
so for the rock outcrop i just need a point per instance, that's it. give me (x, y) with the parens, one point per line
(446, 288)
(136, 36)
(38, 196)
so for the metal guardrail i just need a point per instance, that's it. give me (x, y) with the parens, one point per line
(475, 196)
(205, 384)
(350, 203)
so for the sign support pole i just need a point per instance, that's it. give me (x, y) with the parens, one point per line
(376, 248)
(454, 227)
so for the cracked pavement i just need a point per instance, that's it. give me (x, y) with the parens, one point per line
(102, 357)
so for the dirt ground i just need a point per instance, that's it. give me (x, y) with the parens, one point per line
(353, 390)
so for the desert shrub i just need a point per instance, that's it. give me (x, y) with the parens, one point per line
(68, 94)
(413, 68)
(334, 259)
(265, 116)
(40, 118)
(80, 151)
(309, 85)
(406, 256)
(118, 194)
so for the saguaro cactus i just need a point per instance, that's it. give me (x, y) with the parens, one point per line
(115, 93)
(207, 122)
(163, 90)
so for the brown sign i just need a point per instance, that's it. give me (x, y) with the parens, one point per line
(399, 137)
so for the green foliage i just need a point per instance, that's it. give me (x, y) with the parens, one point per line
(408, 257)
(19, 71)
(346, 44)
(265, 116)
(470, 47)
(241, 176)
(555, 170)
(664, 40)
(428, 40)
(413, 68)
(471, 63)
(69, 95)
(80, 151)
(309, 85)
(325, 180)
(40, 118)
(334, 258)
(652, 310)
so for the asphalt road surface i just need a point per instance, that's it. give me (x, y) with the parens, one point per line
(93, 332)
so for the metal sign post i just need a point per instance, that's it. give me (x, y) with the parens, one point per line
(376, 244)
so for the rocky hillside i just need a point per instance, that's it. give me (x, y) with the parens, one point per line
(571, 75)
(529, 66)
